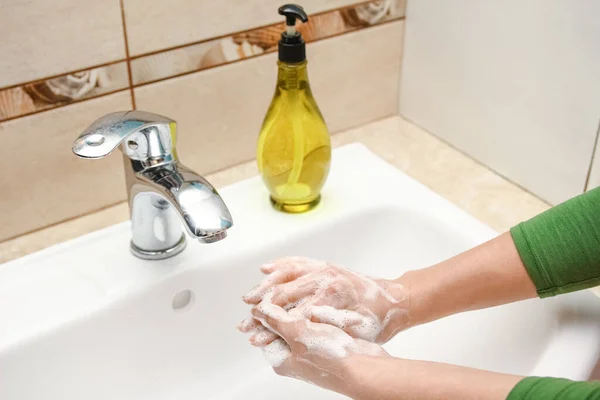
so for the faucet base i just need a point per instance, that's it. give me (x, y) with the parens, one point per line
(159, 254)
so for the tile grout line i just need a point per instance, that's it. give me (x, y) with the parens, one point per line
(210, 39)
(128, 58)
(589, 173)
(358, 29)
(65, 104)
(18, 85)
(131, 86)
(402, 51)
(243, 162)
(207, 174)
(461, 151)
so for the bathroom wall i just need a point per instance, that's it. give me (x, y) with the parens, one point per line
(515, 84)
(208, 64)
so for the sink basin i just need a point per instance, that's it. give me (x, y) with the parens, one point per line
(87, 320)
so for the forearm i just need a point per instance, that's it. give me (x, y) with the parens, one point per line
(387, 378)
(487, 275)
(555, 252)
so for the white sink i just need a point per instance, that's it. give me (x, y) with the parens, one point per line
(87, 320)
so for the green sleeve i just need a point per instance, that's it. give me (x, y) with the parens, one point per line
(534, 388)
(561, 247)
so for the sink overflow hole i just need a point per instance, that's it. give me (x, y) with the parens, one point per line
(182, 300)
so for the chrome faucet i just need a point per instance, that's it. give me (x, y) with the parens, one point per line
(162, 193)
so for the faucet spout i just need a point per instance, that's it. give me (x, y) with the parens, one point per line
(162, 192)
(165, 196)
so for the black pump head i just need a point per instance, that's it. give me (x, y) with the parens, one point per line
(292, 48)
(293, 12)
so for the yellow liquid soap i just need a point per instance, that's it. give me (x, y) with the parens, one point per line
(294, 147)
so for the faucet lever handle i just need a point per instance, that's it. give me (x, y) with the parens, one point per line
(108, 132)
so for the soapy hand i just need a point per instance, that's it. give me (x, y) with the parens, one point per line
(363, 307)
(316, 353)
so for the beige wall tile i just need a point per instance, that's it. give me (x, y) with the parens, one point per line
(512, 83)
(42, 38)
(163, 24)
(460, 179)
(354, 78)
(47, 183)
(473, 187)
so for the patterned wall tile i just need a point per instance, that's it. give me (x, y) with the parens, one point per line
(235, 47)
(158, 25)
(219, 111)
(54, 92)
(43, 109)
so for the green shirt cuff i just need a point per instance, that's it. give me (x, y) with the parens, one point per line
(560, 248)
(543, 283)
(535, 388)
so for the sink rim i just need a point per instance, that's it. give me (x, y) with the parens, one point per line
(342, 197)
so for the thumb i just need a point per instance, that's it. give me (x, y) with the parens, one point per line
(276, 319)
(277, 353)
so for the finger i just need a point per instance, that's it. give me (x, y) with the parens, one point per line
(363, 325)
(288, 295)
(277, 353)
(276, 319)
(282, 270)
(343, 319)
(332, 296)
(268, 268)
(263, 337)
(305, 263)
(302, 309)
(277, 277)
(249, 324)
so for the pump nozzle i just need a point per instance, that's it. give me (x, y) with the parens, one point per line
(292, 48)
(291, 13)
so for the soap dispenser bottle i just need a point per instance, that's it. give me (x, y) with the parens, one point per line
(294, 147)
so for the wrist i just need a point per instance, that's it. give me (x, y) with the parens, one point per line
(368, 376)
(417, 291)
(354, 370)
(395, 311)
